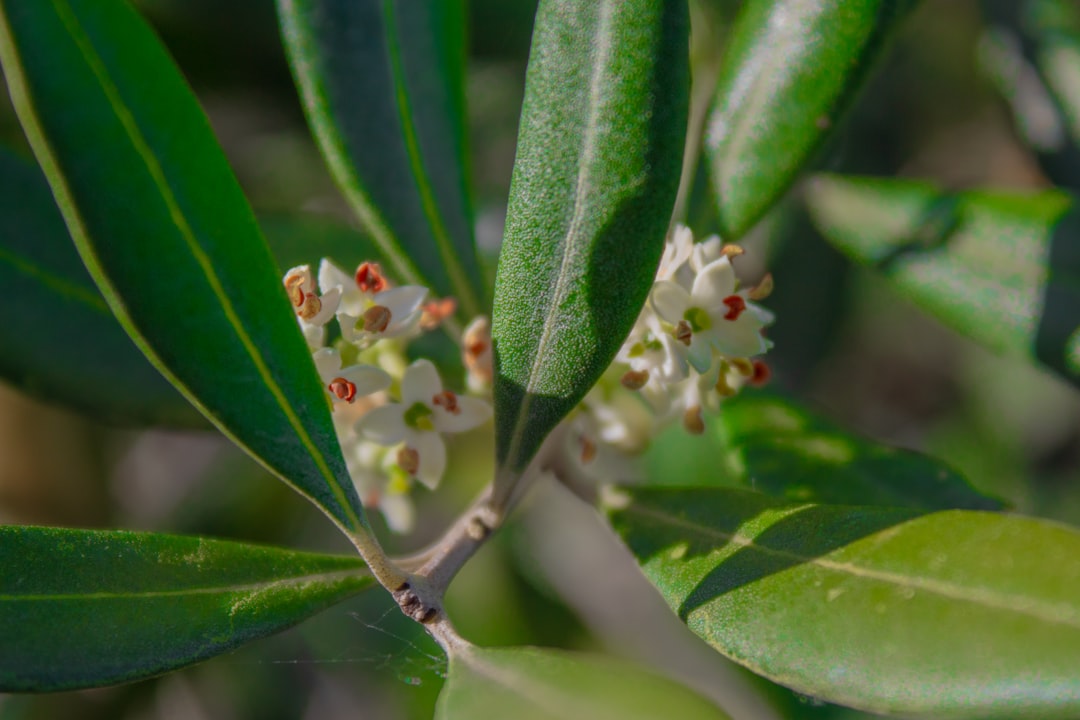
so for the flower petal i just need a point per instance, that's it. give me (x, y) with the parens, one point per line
(715, 282)
(368, 379)
(700, 353)
(327, 362)
(472, 412)
(420, 384)
(384, 424)
(331, 276)
(402, 301)
(330, 301)
(315, 335)
(669, 300)
(398, 511)
(432, 451)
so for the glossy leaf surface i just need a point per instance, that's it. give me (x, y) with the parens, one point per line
(61, 341)
(768, 443)
(790, 70)
(162, 225)
(944, 614)
(542, 684)
(597, 168)
(84, 608)
(382, 82)
(1003, 268)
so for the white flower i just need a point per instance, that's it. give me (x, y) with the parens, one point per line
(677, 251)
(425, 412)
(369, 309)
(312, 310)
(713, 316)
(346, 385)
(476, 354)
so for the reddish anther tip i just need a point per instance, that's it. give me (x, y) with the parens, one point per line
(369, 278)
(761, 375)
(448, 401)
(342, 389)
(736, 305)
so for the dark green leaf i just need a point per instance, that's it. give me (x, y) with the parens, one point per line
(61, 342)
(767, 443)
(382, 82)
(541, 684)
(1001, 267)
(83, 608)
(1031, 51)
(597, 168)
(946, 614)
(167, 234)
(790, 70)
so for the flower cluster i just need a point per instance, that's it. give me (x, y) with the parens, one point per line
(390, 415)
(696, 341)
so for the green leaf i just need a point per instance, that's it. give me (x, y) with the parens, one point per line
(947, 614)
(382, 83)
(791, 69)
(63, 343)
(161, 223)
(84, 608)
(1003, 268)
(542, 684)
(765, 442)
(597, 168)
(1031, 50)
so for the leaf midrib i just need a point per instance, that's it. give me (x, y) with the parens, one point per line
(277, 582)
(572, 241)
(1042, 611)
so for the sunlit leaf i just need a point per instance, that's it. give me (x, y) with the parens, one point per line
(765, 442)
(541, 684)
(61, 341)
(597, 168)
(1003, 268)
(790, 70)
(83, 608)
(944, 614)
(161, 223)
(382, 82)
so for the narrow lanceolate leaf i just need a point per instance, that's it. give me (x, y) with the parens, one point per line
(597, 168)
(84, 608)
(790, 71)
(301, 239)
(777, 447)
(1003, 268)
(382, 83)
(957, 614)
(60, 341)
(540, 684)
(161, 223)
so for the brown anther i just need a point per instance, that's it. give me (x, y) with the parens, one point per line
(376, 318)
(730, 251)
(369, 278)
(294, 286)
(634, 379)
(693, 421)
(683, 332)
(448, 401)
(736, 305)
(762, 373)
(309, 307)
(342, 389)
(408, 459)
(434, 312)
(588, 450)
(744, 366)
(764, 288)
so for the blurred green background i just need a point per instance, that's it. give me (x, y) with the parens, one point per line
(846, 344)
